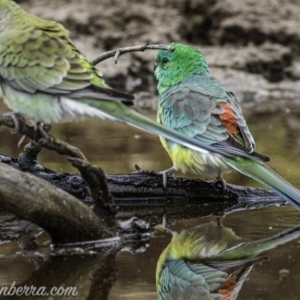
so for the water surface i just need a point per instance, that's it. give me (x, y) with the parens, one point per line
(117, 148)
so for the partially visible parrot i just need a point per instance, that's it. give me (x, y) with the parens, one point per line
(197, 105)
(46, 79)
(210, 262)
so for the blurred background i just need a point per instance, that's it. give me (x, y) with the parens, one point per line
(251, 46)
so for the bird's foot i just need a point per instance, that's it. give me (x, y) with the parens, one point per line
(219, 221)
(38, 128)
(165, 175)
(222, 182)
(165, 225)
(16, 118)
(42, 129)
(22, 139)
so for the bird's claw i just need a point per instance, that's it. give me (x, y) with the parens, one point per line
(22, 139)
(42, 129)
(165, 225)
(38, 127)
(165, 175)
(222, 182)
(219, 221)
(15, 118)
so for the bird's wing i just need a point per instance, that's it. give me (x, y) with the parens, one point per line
(44, 59)
(184, 280)
(237, 271)
(231, 266)
(200, 108)
(236, 109)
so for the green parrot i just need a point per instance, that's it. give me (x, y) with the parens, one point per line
(46, 79)
(210, 262)
(197, 105)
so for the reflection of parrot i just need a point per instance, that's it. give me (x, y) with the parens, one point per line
(46, 79)
(210, 262)
(195, 104)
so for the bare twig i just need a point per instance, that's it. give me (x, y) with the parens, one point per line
(62, 147)
(118, 52)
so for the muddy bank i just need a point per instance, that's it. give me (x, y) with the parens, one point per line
(253, 47)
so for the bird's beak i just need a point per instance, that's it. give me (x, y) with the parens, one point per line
(155, 65)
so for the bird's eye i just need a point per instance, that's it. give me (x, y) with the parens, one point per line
(165, 60)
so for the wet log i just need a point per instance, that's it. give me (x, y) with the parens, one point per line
(64, 217)
(142, 193)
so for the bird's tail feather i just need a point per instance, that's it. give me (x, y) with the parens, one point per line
(253, 248)
(260, 172)
(125, 114)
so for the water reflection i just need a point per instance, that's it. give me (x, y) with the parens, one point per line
(210, 261)
(117, 148)
(85, 270)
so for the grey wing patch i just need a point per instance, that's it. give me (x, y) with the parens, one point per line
(190, 112)
(193, 109)
(186, 280)
(198, 106)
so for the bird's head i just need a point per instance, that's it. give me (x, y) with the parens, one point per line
(171, 67)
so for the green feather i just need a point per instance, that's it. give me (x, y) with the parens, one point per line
(199, 260)
(197, 105)
(45, 78)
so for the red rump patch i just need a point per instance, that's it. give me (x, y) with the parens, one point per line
(228, 119)
(227, 287)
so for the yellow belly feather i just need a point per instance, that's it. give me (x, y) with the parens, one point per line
(188, 160)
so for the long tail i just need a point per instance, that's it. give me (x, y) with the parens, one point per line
(260, 172)
(125, 114)
(250, 249)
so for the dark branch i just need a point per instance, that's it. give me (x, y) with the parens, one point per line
(103, 202)
(116, 53)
